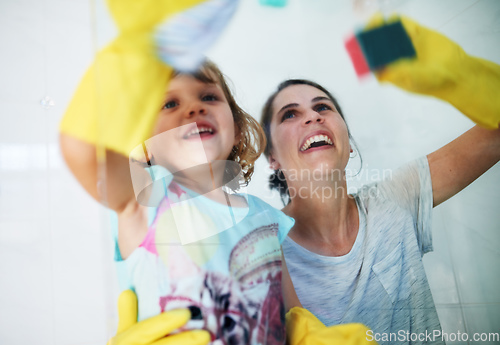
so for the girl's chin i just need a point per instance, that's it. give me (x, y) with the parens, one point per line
(216, 155)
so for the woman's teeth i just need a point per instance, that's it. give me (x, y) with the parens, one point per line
(316, 139)
(200, 130)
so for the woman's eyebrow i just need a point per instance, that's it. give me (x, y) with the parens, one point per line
(320, 98)
(291, 105)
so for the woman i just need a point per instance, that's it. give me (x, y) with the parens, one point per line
(357, 258)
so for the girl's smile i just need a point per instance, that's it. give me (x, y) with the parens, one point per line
(196, 122)
(200, 129)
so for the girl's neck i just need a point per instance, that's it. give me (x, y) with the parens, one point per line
(208, 180)
(201, 179)
(326, 219)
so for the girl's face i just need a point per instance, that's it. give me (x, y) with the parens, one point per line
(195, 125)
(307, 133)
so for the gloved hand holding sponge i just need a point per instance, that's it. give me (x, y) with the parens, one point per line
(439, 67)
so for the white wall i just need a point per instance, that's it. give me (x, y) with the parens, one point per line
(57, 281)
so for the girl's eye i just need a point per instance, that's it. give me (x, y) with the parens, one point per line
(322, 107)
(170, 104)
(209, 98)
(288, 115)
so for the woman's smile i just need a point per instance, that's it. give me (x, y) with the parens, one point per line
(307, 116)
(318, 140)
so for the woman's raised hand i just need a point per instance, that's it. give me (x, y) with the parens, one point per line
(444, 70)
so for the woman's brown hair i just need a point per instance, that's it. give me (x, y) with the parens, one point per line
(277, 180)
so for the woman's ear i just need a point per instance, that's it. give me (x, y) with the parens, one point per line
(273, 163)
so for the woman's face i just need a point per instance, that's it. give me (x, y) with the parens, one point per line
(195, 125)
(307, 133)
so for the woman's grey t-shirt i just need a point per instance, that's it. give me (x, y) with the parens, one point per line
(381, 282)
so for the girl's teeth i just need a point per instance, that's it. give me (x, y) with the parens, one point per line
(200, 130)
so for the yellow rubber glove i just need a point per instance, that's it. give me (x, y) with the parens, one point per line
(303, 328)
(153, 331)
(443, 69)
(120, 96)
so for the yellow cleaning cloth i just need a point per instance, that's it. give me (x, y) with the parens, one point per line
(120, 96)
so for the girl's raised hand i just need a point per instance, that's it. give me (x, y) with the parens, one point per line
(155, 330)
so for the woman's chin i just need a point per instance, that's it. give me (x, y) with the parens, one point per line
(317, 171)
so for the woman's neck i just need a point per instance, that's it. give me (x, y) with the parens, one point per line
(326, 219)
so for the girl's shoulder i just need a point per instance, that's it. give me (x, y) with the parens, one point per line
(262, 209)
(257, 204)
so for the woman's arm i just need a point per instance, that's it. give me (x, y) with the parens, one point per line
(443, 69)
(457, 164)
(289, 295)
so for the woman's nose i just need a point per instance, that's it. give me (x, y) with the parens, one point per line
(313, 117)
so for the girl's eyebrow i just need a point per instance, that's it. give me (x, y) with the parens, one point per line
(214, 86)
(168, 93)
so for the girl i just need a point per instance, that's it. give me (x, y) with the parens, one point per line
(203, 246)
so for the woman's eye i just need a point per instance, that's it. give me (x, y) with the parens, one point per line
(169, 105)
(322, 107)
(209, 98)
(288, 115)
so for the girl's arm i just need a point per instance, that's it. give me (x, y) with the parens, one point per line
(113, 189)
(457, 164)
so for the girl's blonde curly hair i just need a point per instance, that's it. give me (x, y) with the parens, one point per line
(252, 138)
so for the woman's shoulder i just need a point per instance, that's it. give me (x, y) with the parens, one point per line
(392, 182)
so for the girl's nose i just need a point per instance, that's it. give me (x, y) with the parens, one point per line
(196, 109)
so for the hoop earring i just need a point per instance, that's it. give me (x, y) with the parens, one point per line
(353, 154)
(348, 172)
